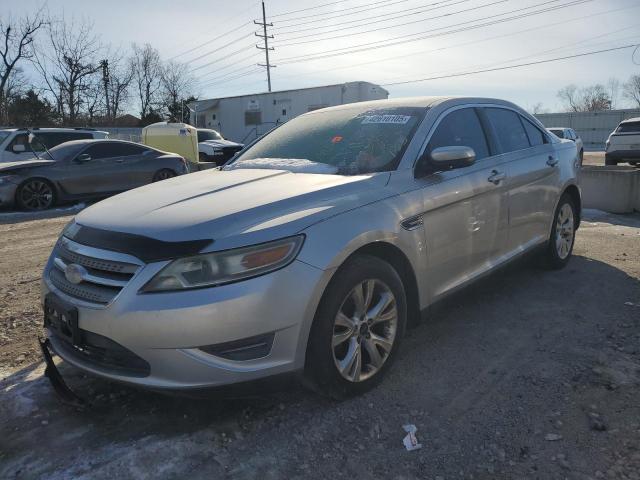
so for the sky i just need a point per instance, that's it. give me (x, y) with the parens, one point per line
(431, 38)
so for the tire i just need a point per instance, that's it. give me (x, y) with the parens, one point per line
(337, 336)
(163, 174)
(563, 234)
(35, 194)
(609, 161)
(203, 157)
(581, 156)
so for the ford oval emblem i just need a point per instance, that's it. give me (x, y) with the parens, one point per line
(75, 273)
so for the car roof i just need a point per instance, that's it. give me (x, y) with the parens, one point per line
(87, 141)
(419, 102)
(630, 120)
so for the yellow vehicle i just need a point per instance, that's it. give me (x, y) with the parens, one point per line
(180, 138)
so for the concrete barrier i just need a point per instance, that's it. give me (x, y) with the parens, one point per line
(614, 189)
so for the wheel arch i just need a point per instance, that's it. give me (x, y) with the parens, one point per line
(395, 257)
(573, 191)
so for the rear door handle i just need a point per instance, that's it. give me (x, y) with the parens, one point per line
(496, 177)
(552, 161)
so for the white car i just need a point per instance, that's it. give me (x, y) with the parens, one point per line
(15, 146)
(623, 144)
(212, 147)
(569, 134)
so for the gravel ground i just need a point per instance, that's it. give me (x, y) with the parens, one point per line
(530, 374)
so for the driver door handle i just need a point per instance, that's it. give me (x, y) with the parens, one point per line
(496, 177)
(552, 161)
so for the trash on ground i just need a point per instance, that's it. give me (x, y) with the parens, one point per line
(410, 440)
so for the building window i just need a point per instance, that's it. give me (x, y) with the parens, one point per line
(213, 116)
(284, 111)
(253, 118)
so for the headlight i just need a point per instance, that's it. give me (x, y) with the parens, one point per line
(5, 179)
(217, 268)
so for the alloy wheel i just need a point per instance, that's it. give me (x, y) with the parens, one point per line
(36, 195)
(364, 330)
(564, 231)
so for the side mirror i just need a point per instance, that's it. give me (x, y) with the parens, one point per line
(83, 158)
(448, 158)
(19, 148)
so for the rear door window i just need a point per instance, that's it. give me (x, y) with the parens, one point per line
(104, 150)
(461, 128)
(508, 128)
(536, 137)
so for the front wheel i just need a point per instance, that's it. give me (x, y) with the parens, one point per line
(357, 328)
(35, 194)
(609, 161)
(563, 234)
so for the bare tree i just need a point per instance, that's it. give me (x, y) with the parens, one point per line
(631, 89)
(177, 85)
(16, 45)
(68, 65)
(588, 99)
(595, 98)
(537, 108)
(147, 76)
(569, 96)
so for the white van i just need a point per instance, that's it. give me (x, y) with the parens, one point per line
(14, 142)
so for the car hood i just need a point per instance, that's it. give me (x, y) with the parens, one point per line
(222, 143)
(233, 208)
(10, 166)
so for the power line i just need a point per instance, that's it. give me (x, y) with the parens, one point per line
(360, 8)
(402, 38)
(235, 52)
(218, 70)
(256, 70)
(462, 74)
(206, 54)
(472, 42)
(228, 32)
(391, 26)
(366, 19)
(308, 8)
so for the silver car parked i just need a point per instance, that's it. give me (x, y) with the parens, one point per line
(313, 250)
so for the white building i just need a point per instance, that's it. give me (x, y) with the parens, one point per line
(246, 117)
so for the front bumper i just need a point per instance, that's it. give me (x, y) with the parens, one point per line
(7, 194)
(167, 329)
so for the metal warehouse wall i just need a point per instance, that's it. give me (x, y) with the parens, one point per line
(593, 127)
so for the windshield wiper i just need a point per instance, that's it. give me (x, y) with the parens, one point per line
(32, 136)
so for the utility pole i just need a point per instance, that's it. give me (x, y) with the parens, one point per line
(266, 44)
(105, 78)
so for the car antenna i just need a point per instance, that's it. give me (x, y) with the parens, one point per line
(32, 136)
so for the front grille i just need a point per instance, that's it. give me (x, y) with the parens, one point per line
(103, 354)
(103, 279)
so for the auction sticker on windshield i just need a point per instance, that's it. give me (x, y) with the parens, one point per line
(395, 119)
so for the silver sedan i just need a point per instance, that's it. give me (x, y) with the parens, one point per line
(313, 250)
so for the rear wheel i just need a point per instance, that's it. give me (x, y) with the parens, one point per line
(357, 328)
(35, 194)
(563, 234)
(609, 161)
(163, 174)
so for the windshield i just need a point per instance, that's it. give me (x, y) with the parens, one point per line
(204, 135)
(558, 132)
(352, 141)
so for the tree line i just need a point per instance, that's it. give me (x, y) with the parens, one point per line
(598, 97)
(76, 79)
